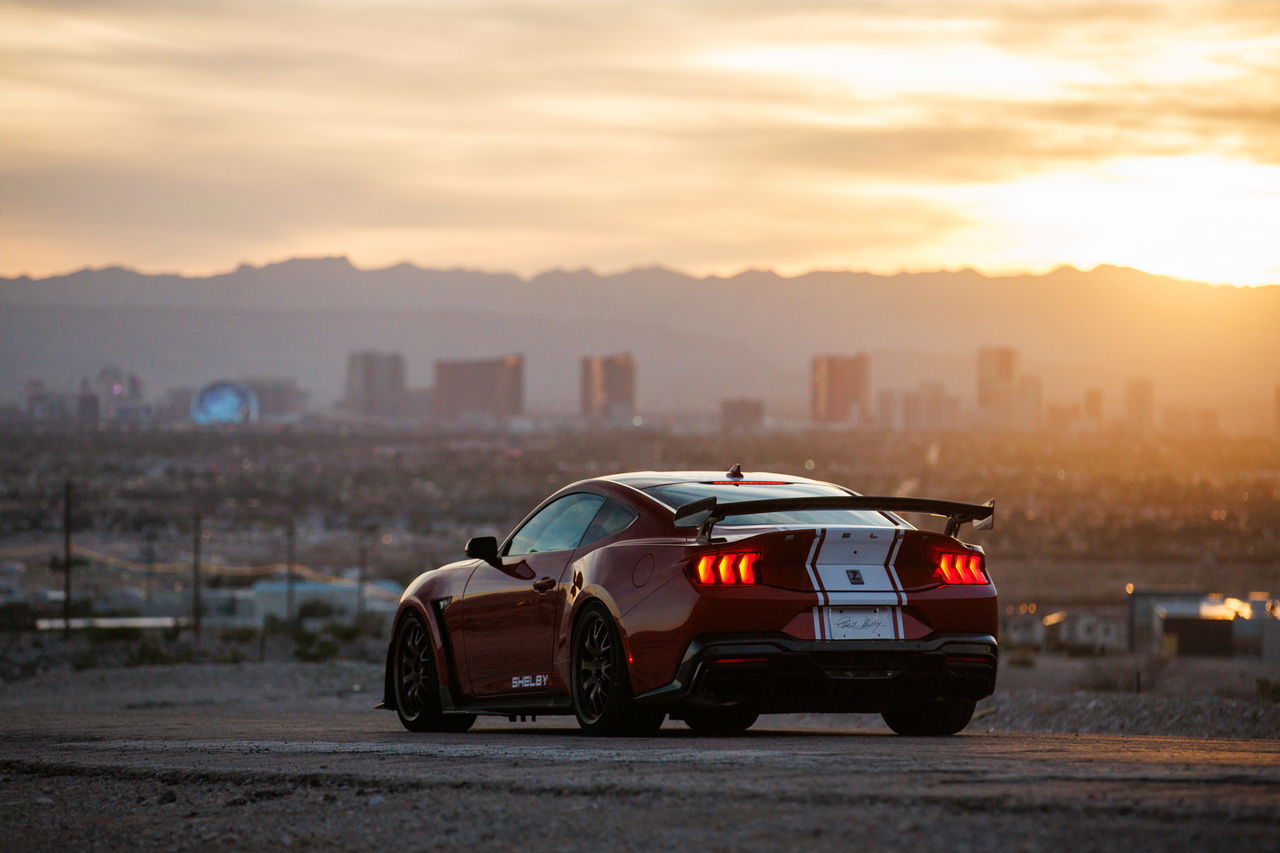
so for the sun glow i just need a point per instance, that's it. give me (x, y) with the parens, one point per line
(1197, 217)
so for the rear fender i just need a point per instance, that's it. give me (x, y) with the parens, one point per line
(564, 642)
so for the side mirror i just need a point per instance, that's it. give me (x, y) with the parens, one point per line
(483, 548)
(694, 513)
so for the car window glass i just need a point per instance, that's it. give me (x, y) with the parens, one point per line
(558, 526)
(612, 518)
(676, 495)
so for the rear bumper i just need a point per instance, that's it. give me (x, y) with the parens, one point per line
(776, 673)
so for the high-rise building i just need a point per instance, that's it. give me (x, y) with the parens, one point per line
(741, 415)
(1207, 425)
(888, 407)
(484, 392)
(997, 378)
(1093, 407)
(87, 406)
(609, 388)
(1029, 408)
(278, 396)
(930, 408)
(111, 392)
(1140, 405)
(375, 384)
(1178, 420)
(1061, 418)
(840, 389)
(44, 404)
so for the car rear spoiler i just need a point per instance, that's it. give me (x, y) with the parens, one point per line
(705, 513)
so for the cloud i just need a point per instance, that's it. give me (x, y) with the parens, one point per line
(517, 135)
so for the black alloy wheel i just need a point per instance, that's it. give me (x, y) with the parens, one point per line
(416, 684)
(601, 689)
(930, 717)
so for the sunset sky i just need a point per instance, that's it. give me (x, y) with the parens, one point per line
(706, 136)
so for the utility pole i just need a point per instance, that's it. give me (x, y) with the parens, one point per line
(290, 541)
(66, 560)
(197, 534)
(362, 566)
(149, 554)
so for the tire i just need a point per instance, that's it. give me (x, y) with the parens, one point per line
(601, 686)
(720, 721)
(417, 687)
(930, 717)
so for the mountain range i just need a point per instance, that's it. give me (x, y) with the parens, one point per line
(696, 339)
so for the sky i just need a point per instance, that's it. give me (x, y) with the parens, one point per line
(706, 135)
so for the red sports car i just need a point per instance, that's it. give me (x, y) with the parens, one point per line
(707, 597)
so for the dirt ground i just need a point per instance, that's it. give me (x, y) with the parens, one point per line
(291, 756)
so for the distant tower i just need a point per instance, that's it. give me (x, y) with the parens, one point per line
(87, 404)
(279, 397)
(111, 392)
(840, 388)
(483, 392)
(741, 415)
(997, 374)
(1093, 409)
(609, 388)
(1029, 412)
(375, 384)
(1140, 405)
(887, 409)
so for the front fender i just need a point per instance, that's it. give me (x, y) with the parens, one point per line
(411, 603)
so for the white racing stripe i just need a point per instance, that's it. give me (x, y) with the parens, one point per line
(899, 632)
(819, 613)
(854, 568)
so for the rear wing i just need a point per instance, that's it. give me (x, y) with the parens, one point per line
(705, 513)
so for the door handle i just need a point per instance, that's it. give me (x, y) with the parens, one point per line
(544, 585)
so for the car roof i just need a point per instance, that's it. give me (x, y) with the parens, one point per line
(646, 479)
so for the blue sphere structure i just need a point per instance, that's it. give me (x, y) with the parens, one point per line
(225, 403)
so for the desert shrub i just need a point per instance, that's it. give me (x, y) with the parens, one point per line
(114, 635)
(1268, 689)
(1022, 658)
(151, 651)
(343, 633)
(17, 616)
(273, 625)
(148, 652)
(314, 608)
(312, 647)
(231, 654)
(239, 636)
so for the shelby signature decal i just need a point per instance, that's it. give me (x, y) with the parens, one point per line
(849, 621)
(518, 681)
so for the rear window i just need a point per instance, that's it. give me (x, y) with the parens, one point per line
(676, 495)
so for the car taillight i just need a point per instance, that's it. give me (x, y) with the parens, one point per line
(725, 568)
(960, 567)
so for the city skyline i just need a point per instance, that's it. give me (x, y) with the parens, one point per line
(489, 393)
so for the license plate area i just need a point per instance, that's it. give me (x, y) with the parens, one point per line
(859, 623)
